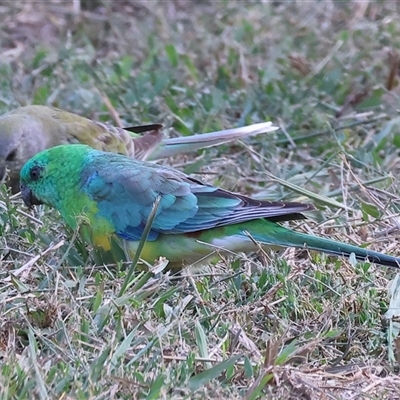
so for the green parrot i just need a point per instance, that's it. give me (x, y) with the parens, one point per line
(112, 196)
(28, 130)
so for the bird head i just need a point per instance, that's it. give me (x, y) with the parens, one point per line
(17, 145)
(52, 176)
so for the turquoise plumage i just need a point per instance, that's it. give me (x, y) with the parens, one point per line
(115, 196)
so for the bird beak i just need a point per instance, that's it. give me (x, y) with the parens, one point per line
(28, 197)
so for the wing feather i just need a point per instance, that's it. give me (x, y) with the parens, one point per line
(125, 191)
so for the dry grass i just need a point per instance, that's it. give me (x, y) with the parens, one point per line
(293, 325)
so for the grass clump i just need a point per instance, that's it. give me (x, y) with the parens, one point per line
(293, 325)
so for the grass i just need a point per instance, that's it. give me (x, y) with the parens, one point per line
(288, 325)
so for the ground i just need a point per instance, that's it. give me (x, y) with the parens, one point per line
(296, 324)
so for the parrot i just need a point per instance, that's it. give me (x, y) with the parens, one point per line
(28, 130)
(112, 197)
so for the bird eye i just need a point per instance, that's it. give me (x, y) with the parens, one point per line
(35, 173)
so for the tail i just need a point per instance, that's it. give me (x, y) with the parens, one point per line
(270, 233)
(184, 144)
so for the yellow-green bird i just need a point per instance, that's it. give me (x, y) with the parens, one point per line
(113, 196)
(28, 130)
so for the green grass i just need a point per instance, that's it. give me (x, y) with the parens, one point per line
(288, 325)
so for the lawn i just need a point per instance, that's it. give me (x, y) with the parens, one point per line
(294, 324)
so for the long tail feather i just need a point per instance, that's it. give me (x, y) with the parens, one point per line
(274, 234)
(182, 144)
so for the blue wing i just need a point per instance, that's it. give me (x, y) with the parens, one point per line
(125, 191)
